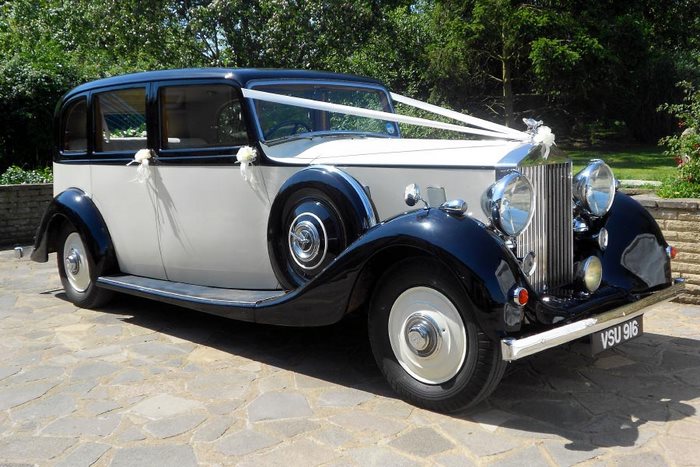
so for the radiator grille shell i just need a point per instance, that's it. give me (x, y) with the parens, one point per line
(550, 234)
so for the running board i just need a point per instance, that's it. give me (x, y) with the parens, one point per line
(231, 303)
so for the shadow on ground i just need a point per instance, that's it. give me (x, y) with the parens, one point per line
(592, 402)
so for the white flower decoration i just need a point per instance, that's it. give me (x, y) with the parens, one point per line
(545, 137)
(246, 156)
(142, 158)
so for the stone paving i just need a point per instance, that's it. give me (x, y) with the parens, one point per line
(141, 384)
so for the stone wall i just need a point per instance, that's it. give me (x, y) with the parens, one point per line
(21, 208)
(680, 221)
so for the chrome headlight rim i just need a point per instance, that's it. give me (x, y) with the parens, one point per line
(583, 187)
(492, 202)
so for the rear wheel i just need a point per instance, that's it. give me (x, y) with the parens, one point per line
(78, 271)
(426, 341)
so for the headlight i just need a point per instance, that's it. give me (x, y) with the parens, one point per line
(594, 188)
(509, 203)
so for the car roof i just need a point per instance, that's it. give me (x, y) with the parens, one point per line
(241, 76)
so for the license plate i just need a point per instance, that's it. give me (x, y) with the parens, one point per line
(616, 335)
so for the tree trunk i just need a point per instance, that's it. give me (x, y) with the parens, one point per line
(507, 90)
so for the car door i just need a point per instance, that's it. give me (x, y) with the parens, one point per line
(212, 223)
(128, 206)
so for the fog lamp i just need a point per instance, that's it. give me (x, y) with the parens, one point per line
(590, 271)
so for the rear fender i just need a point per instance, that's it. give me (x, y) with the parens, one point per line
(74, 206)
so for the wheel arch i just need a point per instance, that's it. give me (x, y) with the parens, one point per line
(485, 270)
(75, 207)
(367, 280)
(349, 197)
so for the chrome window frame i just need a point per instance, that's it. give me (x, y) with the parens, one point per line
(357, 84)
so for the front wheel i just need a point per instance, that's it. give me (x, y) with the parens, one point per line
(426, 341)
(78, 271)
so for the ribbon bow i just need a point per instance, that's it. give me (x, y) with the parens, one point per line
(142, 158)
(246, 156)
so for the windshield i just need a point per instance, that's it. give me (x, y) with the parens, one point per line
(281, 120)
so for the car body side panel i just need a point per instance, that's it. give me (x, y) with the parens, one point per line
(131, 213)
(386, 186)
(72, 176)
(212, 226)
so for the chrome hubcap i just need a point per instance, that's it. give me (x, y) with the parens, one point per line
(305, 241)
(422, 335)
(75, 261)
(308, 242)
(427, 335)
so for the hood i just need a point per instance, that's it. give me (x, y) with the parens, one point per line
(367, 151)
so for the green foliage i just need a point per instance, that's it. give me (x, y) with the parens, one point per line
(577, 65)
(17, 176)
(684, 148)
(137, 131)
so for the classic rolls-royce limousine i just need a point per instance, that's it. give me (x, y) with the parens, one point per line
(291, 198)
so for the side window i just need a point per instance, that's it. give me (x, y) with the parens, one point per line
(74, 126)
(201, 116)
(120, 120)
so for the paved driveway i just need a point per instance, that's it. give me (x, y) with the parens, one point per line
(141, 383)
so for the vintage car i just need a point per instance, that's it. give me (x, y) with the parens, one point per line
(290, 198)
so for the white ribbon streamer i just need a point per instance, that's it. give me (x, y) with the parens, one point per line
(360, 112)
(143, 171)
(460, 117)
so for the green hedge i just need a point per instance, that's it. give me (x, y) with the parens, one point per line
(15, 175)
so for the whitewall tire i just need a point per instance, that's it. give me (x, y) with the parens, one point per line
(426, 340)
(77, 270)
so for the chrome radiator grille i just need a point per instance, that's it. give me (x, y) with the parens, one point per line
(550, 234)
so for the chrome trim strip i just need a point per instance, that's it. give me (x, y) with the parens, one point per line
(514, 349)
(366, 203)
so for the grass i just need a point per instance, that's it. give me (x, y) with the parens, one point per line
(633, 163)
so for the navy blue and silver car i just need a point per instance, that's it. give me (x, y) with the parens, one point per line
(291, 198)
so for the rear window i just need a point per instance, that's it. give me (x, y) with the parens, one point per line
(121, 120)
(74, 127)
(201, 116)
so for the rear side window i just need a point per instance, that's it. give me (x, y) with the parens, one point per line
(74, 127)
(120, 120)
(201, 116)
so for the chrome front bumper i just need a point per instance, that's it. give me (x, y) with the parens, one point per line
(513, 349)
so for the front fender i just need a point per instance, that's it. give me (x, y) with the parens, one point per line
(486, 269)
(478, 258)
(74, 206)
(627, 222)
